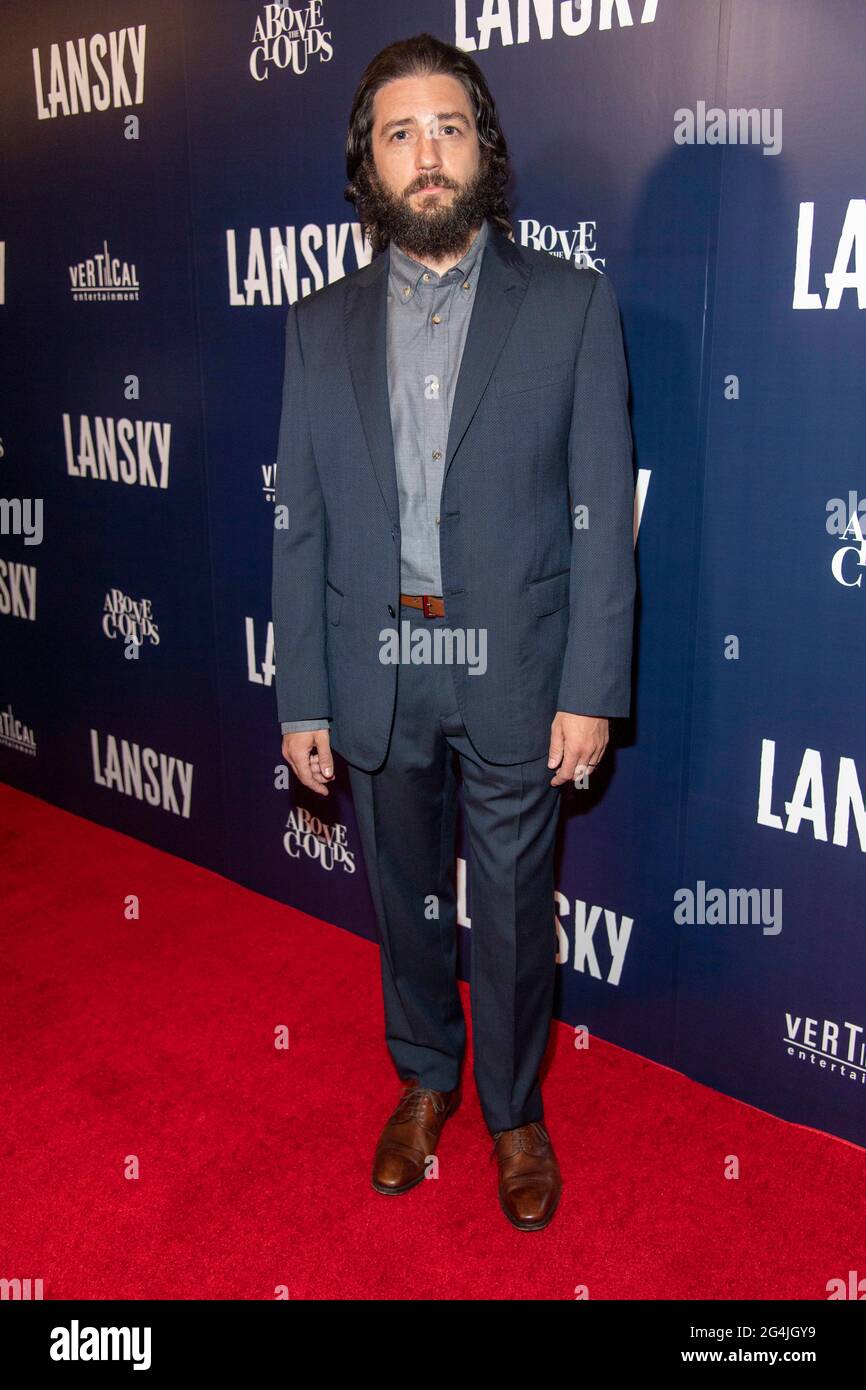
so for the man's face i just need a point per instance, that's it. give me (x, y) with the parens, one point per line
(429, 188)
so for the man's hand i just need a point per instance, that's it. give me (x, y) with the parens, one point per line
(309, 756)
(577, 744)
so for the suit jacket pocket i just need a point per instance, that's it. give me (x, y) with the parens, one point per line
(549, 595)
(333, 603)
(507, 383)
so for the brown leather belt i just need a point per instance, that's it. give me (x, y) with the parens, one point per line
(432, 605)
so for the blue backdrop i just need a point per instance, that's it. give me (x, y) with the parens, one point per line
(173, 177)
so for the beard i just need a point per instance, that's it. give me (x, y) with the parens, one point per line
(434, 231)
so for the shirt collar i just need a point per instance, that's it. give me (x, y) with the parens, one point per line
(406, 274)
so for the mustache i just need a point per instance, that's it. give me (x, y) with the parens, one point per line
(430, 183)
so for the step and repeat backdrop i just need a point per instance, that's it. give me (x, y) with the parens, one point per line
(173, 179)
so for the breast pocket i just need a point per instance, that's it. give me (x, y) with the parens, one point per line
(509, 383)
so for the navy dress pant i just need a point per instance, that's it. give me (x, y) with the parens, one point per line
(406, 812)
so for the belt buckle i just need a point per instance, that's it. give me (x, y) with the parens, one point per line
(425, 605)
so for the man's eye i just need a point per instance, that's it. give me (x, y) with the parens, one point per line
(405, 132)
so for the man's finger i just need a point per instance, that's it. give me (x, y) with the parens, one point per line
(591, 762)
(322, 751)
(557, 743)
(304, 773)
(570, 758)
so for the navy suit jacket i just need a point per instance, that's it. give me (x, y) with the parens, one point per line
(536, 519)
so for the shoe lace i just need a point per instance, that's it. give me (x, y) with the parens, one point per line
(521, 1134)
(412, 1104)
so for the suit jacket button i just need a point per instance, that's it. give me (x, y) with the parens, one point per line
(390, 611)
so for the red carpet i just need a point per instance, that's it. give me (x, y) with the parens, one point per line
(155, 1039)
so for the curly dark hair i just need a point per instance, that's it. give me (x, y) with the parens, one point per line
(422, 56)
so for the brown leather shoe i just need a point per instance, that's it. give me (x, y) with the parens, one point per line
(410, 1136)
(530, 1182)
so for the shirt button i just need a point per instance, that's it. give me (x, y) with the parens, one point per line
(406, 290)
(425, 277)
(436, 319)
(466, 285)
(437, 453)
(437, 521)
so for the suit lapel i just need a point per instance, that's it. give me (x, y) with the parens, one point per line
(501, 285)
(366, 309)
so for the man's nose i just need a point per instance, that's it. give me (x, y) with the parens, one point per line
(428, 156)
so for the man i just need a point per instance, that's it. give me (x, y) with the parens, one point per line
(454, 575)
